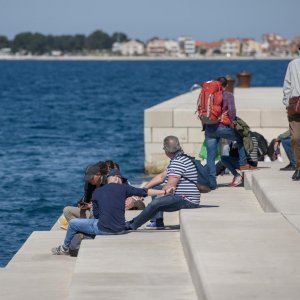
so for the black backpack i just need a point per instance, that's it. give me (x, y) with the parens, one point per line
(76, 242)
(262, 144)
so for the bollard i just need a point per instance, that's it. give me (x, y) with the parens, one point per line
(244, 79)
(230, 84)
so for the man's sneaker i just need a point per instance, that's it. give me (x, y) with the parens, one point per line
(60, 250)
(155, 226)
(238, 180)
(267, 158)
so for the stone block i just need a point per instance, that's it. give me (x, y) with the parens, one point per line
(158, 118)
(195, 135)
(186, 118)
(192, 148)
(158, 134)
(274, 118)
(250, 116)
(147, 135)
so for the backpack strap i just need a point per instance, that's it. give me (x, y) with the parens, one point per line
(192, 160)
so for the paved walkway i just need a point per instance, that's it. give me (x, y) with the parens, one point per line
(231, 248)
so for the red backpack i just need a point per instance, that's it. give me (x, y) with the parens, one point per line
(209, 105)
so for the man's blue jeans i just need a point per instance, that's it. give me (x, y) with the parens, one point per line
(231, 163)
(213, 134)
(167, 203)
(87, 226)
(286, 143)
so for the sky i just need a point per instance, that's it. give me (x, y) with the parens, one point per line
(143, 19)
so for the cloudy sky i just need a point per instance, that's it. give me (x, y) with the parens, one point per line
(144, 19)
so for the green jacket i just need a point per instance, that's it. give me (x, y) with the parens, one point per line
(243, 130)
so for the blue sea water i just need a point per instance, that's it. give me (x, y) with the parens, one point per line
(58, 116)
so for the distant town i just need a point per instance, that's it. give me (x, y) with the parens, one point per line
(118, 44)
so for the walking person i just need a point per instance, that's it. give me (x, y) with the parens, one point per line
(214, 132)
(291, 99)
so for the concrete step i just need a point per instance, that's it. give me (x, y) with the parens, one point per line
(34, 273)
(241, 256)
(237, 251)
(139, 265)
(276, 192)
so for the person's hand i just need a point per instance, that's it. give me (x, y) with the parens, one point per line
(84, 205)
(129, 202)
(170, 190)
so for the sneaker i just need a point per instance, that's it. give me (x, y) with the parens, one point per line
(155, 226)
(279, 158)
(267, 159)
(60, 250)
(238, 180)
(289, 167)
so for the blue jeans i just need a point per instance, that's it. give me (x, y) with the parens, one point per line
(168, 203)
(87, 226)
(231, 163)
(159, 216)
(213, 134)
(286, 143)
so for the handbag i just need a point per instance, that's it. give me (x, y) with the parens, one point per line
(294, 106)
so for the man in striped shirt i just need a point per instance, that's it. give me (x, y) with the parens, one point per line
(186, 194)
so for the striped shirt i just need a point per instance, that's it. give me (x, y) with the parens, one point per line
(183, 166)
(253, 155)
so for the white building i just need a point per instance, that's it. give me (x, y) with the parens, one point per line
(132, 48)
(250, 47)
(231, 47)
(172, 47)
(187, 45)
(156, 47)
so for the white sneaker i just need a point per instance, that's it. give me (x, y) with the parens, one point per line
(279, 158)
(267, 159)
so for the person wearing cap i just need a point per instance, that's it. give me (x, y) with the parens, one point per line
(108, 208)
(179, 175)
(291, 99)
(93, 178)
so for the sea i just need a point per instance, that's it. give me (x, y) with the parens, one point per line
(56, 117)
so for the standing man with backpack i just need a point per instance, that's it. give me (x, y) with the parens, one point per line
(216, 108)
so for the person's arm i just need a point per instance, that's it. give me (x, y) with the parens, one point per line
(231, 107)
(157, 180)
(95, 208)
(287, 87)
(143, 192)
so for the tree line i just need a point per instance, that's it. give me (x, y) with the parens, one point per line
(37, 43)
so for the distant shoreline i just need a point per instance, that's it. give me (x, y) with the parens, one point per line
(130, 58)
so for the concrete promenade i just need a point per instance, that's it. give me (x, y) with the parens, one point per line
(243, 243)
